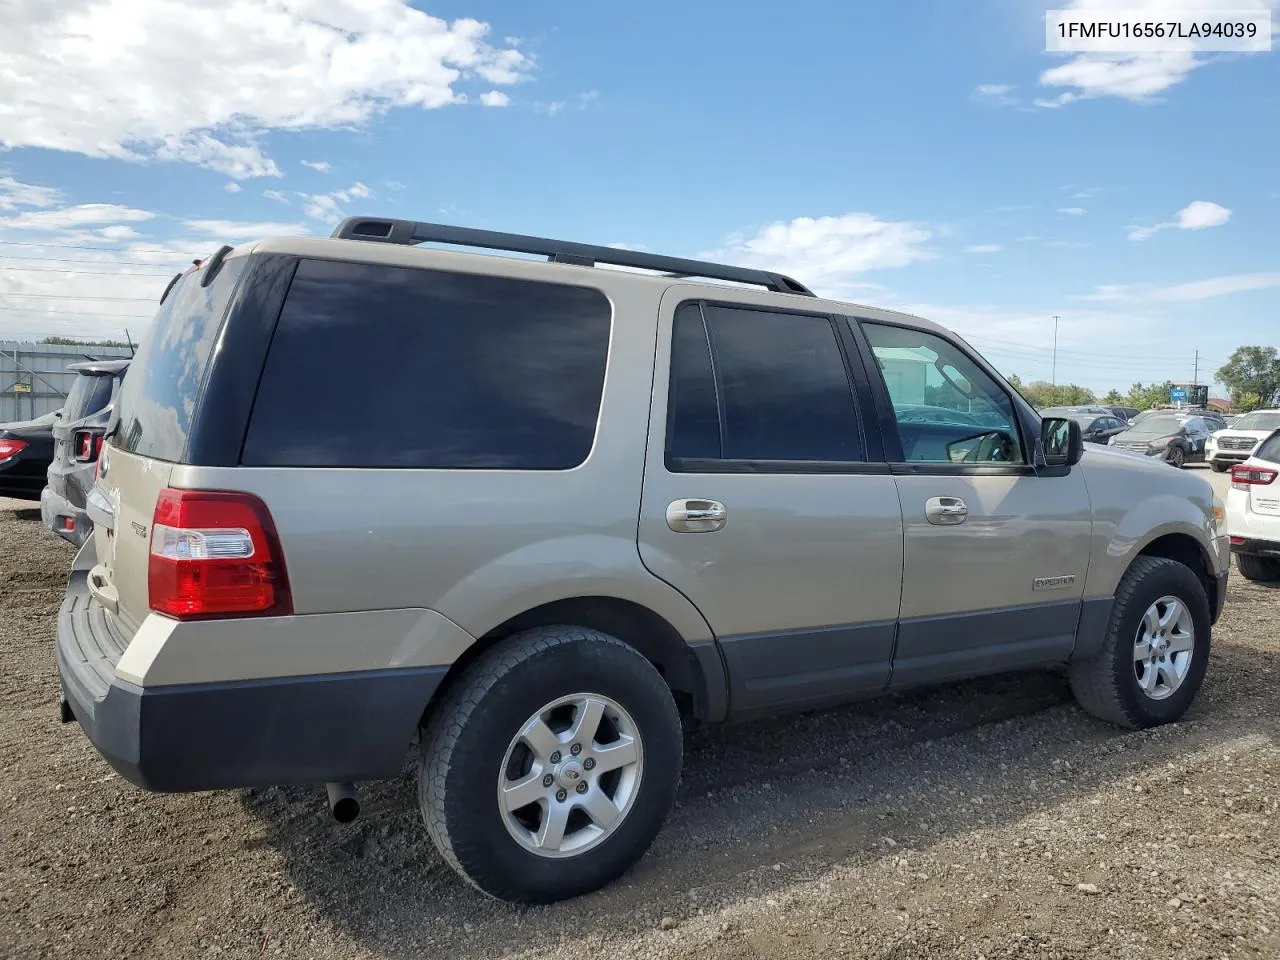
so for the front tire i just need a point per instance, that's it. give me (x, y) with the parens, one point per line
(1155, 651)
(1258, 569)
(1177, 457)
(551, 765)
(1217, 467)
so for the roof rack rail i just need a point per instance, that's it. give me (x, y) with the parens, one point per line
(409, 232)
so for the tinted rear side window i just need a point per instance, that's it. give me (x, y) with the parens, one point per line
(159, 395)
(1270, 448)
(375, 366)
(753, 385)
(88, 395)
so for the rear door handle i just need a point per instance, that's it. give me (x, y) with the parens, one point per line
(945, 511)
(696, 516)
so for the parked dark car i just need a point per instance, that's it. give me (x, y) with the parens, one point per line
(77, 436)
(1094, 427)
(26, 449)
(1125, 413)
(1176, 438)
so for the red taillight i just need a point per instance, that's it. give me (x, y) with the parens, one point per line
(9, 448)
(1244, 476)
(84, 445)
(215, 554)
(1237, 540)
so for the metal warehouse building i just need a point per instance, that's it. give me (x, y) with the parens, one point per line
(34, 379)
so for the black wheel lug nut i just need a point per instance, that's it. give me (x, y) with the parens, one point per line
(555, 757)
(576, 749)
(561, 796)
(548, 780)
(588, 764)
(582, 786)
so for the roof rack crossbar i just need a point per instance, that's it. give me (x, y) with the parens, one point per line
(410, 233)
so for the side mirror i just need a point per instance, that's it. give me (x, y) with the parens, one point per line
(1062, 441)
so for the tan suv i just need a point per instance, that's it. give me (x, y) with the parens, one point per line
(524, 517)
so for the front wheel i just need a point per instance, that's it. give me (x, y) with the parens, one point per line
(1177, 457)
(1217, 467)
(551, 764)
(1155, 651)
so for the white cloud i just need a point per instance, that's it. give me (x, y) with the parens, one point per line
(998, 93)
(580, 102)
(1072, 211)
(827, 253)
(14, 194)
(232, 187)
(495, 98)
(326, 207)
(1184, 292)
(231, 230)
(984, 248)
(275, 195)
(118, 232)
(1197, 215)
(322, 166)
(83, 215)
(82, 75)
(238, 160)
(1133, 76)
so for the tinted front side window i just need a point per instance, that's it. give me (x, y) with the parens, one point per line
(158, 397)
(773, 386)
(1269, 449)
(375, 366)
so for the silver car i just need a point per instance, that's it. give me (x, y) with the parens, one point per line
(526, 518)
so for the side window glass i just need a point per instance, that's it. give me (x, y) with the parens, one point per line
(773, 386)
(693, 427)
(948, 410)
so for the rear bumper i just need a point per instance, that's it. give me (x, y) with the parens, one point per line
(206, 736)
(1256, 547)
(63, 518)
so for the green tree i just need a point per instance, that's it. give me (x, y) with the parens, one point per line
(1043, 394)
(72, 342)
(1146, 396)
(1252, 374)
(1114, 398)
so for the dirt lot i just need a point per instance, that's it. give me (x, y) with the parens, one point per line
(987, 819)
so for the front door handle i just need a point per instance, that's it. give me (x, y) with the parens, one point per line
(696, 516)
(945, 511)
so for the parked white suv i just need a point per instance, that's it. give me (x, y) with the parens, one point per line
(1238, 441)
(1253, 512)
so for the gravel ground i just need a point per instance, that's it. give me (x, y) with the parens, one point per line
(985, 819)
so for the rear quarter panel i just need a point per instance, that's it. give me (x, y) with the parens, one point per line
(481, 546)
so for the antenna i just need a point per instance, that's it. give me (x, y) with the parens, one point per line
(129, 340)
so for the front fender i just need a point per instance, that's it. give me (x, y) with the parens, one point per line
(1120, 534)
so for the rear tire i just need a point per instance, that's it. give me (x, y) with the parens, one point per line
(1137, 684)
(536, 719)
(1217, 467)
(1258, 569)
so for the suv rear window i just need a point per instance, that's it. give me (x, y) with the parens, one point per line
(377, 366)
(89, 394)
(1269, 449)
(159, 395)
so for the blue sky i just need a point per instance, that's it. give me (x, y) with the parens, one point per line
(927, 156)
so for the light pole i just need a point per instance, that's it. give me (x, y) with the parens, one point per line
(1054, 378)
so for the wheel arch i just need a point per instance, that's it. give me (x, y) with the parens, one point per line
(1187, 550)
(694, 671)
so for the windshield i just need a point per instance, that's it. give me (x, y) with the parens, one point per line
(1157, 425)
(1258, 420)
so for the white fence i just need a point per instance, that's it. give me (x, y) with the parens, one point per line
(34, 379)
